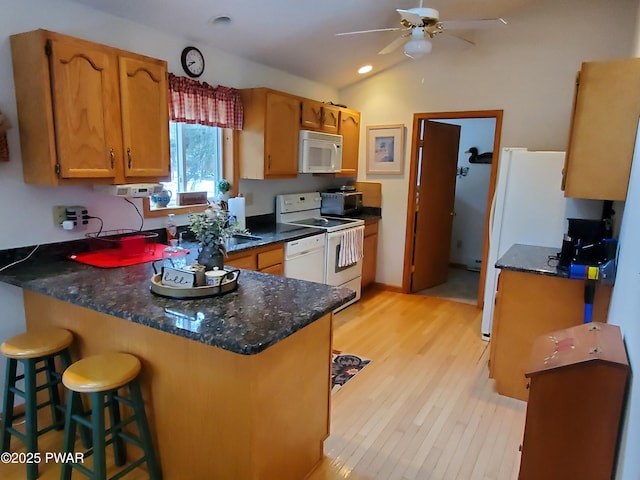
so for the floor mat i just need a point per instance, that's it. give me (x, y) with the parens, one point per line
(345, 366)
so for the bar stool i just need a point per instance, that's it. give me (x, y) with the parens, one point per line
(100, 377)
(32, 348)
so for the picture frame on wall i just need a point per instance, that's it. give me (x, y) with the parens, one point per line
(385, 149)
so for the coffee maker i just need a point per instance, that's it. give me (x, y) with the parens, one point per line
(587, 242)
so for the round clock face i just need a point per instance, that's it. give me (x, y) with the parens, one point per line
(192, 61)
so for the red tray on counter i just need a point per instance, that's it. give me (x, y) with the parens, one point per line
(117, 257)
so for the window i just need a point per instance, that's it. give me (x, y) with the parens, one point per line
(196, 158)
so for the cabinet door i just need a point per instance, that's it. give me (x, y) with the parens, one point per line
(370, 250)
(281, 136)
(311, 115)
(603, 132)
(330, 119)
(145, 117)
(350, 131)
(86, 109)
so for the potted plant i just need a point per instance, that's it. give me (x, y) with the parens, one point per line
(223, 187)
(211, 228)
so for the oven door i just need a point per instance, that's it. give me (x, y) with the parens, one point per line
(337, 275)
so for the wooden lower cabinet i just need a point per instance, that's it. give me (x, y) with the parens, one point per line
(529, 305)
(369, 262)
(268, 259)
(578, 378)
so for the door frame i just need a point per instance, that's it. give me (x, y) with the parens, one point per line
(413, 175)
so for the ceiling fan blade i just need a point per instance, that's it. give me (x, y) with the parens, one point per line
(394, 29)
(411, 17)
(458, 37)
(394, 45)
(473, 24)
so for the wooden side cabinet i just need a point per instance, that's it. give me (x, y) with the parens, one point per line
(603, 130)
(528, 305)
(578, 380)
(89, 111)
(370, 252)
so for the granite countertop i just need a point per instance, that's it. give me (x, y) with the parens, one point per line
(262, 311)
(532, 259)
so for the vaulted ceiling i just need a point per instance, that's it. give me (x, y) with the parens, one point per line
(298, 36)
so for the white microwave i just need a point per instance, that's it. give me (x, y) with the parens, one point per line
(320, 152)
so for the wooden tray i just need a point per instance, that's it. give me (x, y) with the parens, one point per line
(229, 284)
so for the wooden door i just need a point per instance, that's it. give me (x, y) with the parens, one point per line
(86, 109)
(145, 117)
(350, 131)
(436, 184)
(281, 136)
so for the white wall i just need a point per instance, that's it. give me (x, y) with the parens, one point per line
(526, 68)
(25, 210)
(625, 309)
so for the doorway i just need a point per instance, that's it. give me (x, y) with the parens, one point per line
(430, 212)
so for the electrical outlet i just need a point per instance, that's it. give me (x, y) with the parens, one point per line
(76, 214)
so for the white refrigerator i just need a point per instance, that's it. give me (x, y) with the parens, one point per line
(528, 207)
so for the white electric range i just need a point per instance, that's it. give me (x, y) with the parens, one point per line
(303, 209)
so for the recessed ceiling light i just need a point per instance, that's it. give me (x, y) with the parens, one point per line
(365, 69)
(220, 21)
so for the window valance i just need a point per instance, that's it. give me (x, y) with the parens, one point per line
(191, 101)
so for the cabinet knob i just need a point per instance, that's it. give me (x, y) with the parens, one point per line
(129, 156)
(112, 155)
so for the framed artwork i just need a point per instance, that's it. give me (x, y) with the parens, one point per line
(385, 149)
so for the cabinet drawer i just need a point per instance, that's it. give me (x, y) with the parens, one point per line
(277, 269)
(270, 257)
(370, 229)
(247, 262)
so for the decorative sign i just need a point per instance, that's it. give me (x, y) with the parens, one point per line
(173, 277)
(192, 198)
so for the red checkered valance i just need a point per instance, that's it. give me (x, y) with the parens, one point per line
(191, 101)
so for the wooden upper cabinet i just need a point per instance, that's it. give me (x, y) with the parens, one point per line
(268, 142)
(319, 116)
(603, 130)
(350, 131)
(84, 107)
(145, 125)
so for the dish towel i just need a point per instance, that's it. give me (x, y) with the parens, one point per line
(351, 245)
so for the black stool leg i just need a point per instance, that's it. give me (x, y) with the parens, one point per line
(7, 407)
(57, 416)
(145, 434)
(73, 399)
(97, 422)
(31, 415)
(119, 449)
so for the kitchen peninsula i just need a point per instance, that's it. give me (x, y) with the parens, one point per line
(236, 387)
(534, 298)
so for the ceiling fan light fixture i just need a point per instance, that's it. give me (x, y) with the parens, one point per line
(417, 47)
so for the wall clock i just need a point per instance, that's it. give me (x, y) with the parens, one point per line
(192, 61)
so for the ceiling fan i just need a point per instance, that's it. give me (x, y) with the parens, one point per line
(420, 25)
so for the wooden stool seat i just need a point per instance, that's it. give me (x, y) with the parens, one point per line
(100, 373)
(38, 343)
(37, 351)
(101, 377)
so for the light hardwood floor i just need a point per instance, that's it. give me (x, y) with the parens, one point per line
(424, 408)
